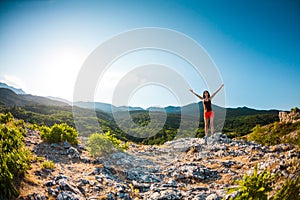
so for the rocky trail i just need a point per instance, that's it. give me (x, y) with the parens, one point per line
(186, 168)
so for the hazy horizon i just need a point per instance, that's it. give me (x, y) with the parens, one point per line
(145, 108)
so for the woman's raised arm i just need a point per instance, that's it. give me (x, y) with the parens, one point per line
(214, 94)
(197, 95)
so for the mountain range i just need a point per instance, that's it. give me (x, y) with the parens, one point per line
(11, 96)
(15, 90)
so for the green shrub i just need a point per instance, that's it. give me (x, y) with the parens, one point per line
(103, 144)
(45, 131)
(99, 145)
(118, 143)
(258, 135)
(33, 127)
(289, 190)
(59, 133)
(5, 118)
(48, 164)
(14, 156)
(255, 187)
(39, 159)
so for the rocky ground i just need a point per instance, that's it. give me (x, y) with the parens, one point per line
(187, 168)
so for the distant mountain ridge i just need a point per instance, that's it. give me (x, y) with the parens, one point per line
(15, 90)
(59, 99)
(11, 96)
(106, 107)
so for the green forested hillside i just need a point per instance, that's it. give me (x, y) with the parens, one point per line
(285, 131)
(44, 111)
(237, 123)
(8, 97)
(236, 126)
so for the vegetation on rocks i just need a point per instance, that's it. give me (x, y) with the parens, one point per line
(276, 133)
(256, 187)
(289, 190)
(259, 185)
(14, 157)
(104, 144)
(59, 133)
(48, 164)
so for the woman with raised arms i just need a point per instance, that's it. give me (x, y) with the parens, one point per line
(208, 112)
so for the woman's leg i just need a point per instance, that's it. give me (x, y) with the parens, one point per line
(206, 126)
(212, 128)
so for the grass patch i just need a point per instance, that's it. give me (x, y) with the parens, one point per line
(48, 165)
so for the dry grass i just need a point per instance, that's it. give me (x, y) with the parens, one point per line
(103, 197)
(242, 159)
(30, 184)
(237, 166)
(226, 178)
(214, 165)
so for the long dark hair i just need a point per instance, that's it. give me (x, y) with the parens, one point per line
(207, 93)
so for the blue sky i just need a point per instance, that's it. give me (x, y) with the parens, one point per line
(254, 44)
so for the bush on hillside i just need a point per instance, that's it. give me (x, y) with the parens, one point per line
(59, 133)
(5, 118)
(98, 145)
(103, 144)
(276, 133)
(14, 157)
(118, 143)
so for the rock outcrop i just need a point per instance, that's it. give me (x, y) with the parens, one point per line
(187, 168)
(292, 116)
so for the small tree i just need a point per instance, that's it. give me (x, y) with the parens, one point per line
(99, 145)
(103, 144)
